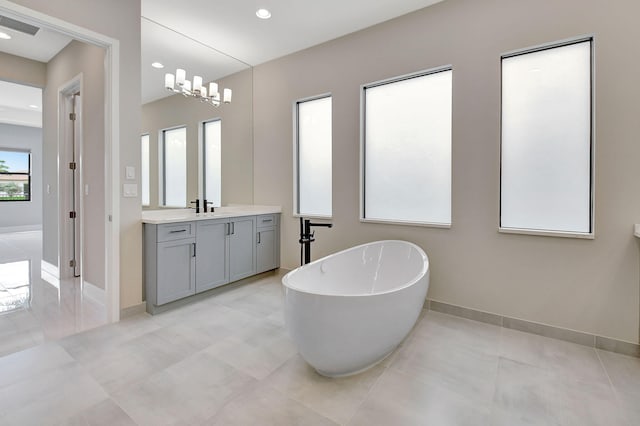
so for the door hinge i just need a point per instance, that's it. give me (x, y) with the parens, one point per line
(72, 263)
(72, 116)
(72, 165)
(72, 215)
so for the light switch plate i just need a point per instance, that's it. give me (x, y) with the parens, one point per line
(130, 172)
(130, 190)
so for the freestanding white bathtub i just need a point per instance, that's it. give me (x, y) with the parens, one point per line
(346, 312)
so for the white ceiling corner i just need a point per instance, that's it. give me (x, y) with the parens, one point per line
(15, 101)
(231, 29)
(216, 38)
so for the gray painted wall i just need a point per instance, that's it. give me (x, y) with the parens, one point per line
(99, 16)
(24, 213)
(585, 285)
(22, 70)
(237, 140)
(75, 59)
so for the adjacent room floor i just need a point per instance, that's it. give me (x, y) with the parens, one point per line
(227, 360)
(34, 310)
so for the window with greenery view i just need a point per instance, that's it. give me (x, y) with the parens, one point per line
(15, 175)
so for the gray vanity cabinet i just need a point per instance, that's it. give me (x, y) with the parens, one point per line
(212, 246)
(242, 248)
(267, 242)
(185, 258)
(169, 262)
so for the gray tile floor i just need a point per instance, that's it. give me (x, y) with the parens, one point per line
(34, 310)
(227, 360)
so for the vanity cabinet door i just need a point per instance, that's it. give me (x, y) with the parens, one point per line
(175, 270)
(211, 254)
(242, 248)
(267, 242)
(265, 250)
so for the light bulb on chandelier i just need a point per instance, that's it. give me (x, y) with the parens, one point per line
(178, 83)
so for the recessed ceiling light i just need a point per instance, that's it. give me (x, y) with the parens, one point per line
(4, 36)
(34, 106)
(157, 65)
(263, 14)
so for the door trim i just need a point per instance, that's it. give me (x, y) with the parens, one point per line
(112, 138)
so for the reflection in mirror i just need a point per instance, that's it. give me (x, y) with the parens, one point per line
(15, 285)
(220, 171)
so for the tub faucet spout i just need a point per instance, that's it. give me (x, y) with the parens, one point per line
(307, 237)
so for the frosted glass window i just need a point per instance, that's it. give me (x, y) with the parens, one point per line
(546, 140)
(314, 157)
(174, 143)
(212, 165)
(144, 172)
(407, 149)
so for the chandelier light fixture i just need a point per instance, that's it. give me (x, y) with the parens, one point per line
(178, 83)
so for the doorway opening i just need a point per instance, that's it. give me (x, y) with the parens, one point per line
(108, 191)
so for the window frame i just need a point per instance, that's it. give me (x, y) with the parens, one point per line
(163, 163)
(363, 88)
(296, 156)
(148, 135)
(202, 168)
(28, 174)
(556, 233)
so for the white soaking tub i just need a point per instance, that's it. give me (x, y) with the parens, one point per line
(346, 312)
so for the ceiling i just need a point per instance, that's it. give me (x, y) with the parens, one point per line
(20, 105)
(216, 38)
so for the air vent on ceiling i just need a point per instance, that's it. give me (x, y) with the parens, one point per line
(18, 26)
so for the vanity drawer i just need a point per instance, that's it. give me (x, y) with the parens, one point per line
(265, 221)
(176, 231)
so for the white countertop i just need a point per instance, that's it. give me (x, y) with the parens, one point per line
(157, 217)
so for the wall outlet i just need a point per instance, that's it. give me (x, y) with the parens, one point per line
(130, 190)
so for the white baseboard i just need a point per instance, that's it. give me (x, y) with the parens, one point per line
(23, 228)
(93, 292)
(50, 273)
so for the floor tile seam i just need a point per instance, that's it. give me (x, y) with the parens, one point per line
(124, 410)
(452, 344)
(375, 383)
(613, 388)
(281, 393)
(520, 361)
(132, 384)
(557, 372)
(247, 387)
(52, 369)
(422, 380)
(299, 401)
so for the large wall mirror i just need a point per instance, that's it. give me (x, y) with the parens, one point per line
(186, 143)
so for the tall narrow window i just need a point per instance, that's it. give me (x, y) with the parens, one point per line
(546, 150)
(406, 149)
(174, 160)
(212, 161)
(313, 157)
(15, 175)
(144, 172)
